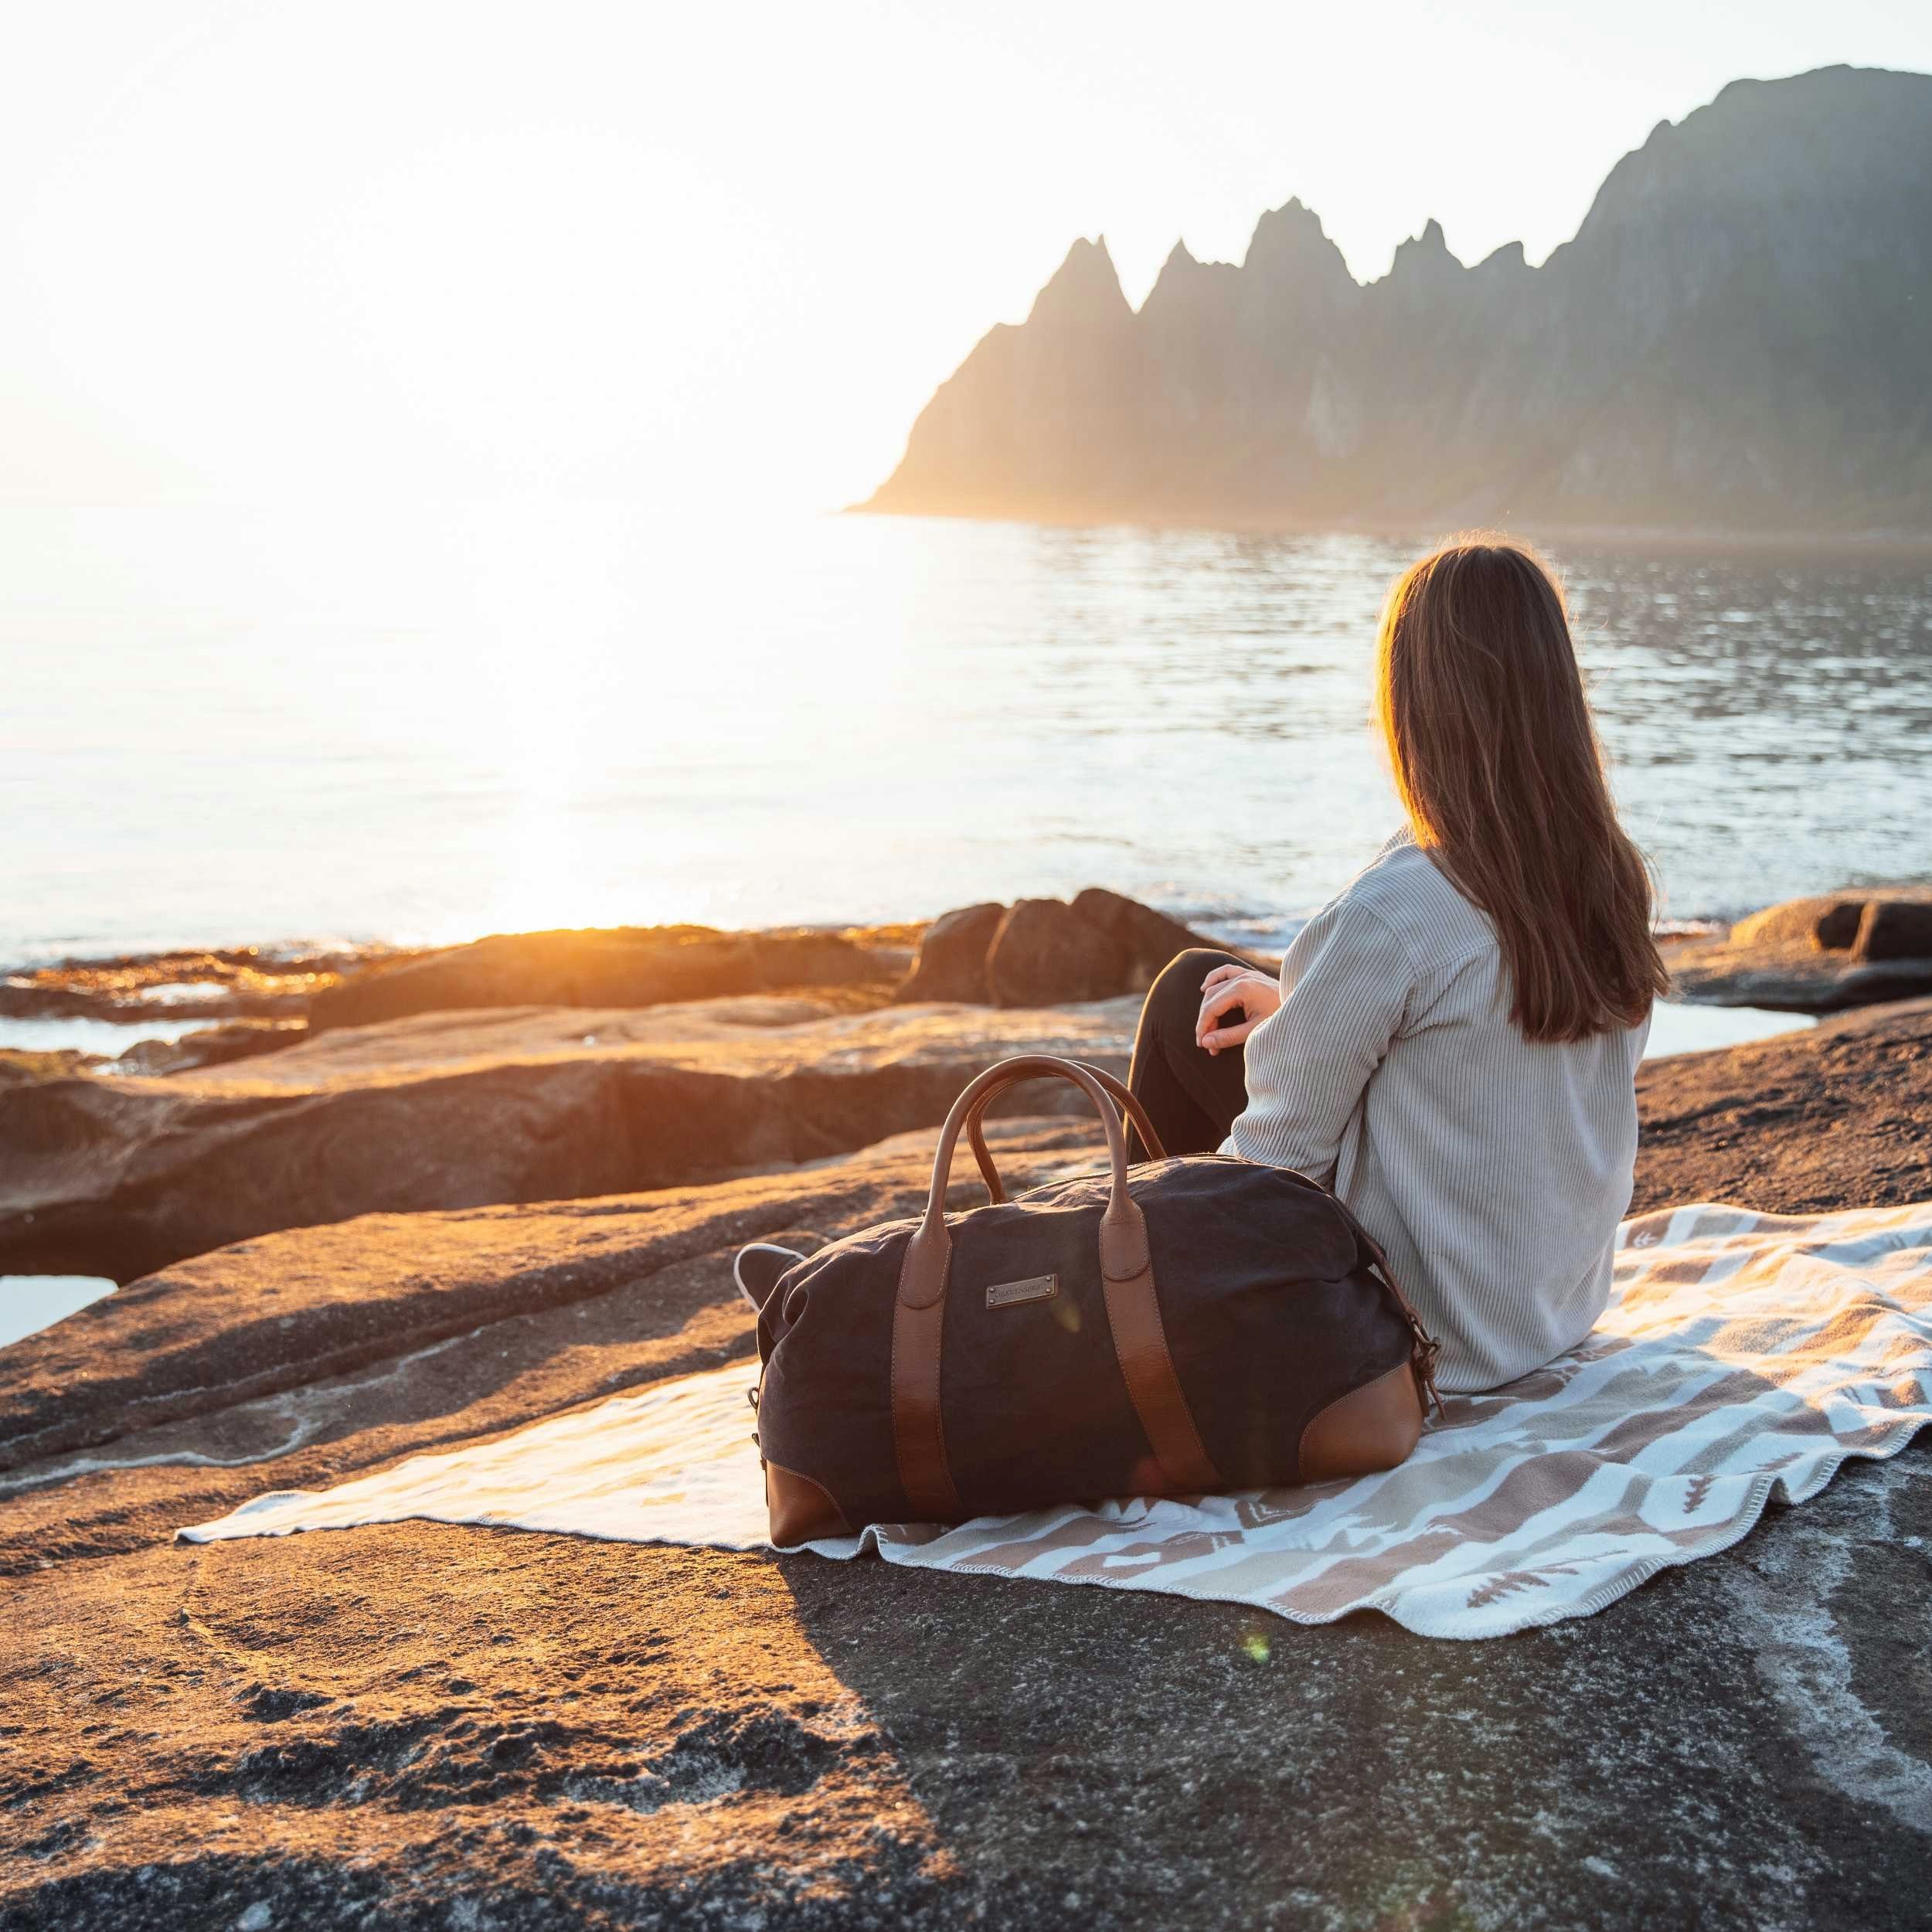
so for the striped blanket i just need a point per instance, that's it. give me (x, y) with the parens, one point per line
(1741, 1354)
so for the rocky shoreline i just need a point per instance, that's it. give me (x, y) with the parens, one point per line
(534, 1065)
(424, 1726)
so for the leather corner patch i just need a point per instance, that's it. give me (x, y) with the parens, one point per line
(1009, 1294)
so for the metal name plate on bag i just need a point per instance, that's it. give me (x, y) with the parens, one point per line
(1039, 1287)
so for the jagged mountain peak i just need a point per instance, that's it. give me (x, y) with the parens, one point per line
(1424, 269)
(1185, 285)
(1426, 252)
(1085, 284)
(1292, 233)
(1506, 261)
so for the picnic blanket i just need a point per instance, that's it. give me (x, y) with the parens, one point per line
(1742, 1355)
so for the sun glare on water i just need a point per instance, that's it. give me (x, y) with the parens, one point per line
(619, 733)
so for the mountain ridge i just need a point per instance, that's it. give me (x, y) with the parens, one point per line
(1738, 337)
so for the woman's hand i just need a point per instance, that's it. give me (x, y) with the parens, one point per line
(1226, 988)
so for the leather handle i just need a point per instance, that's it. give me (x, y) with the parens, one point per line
(922, 1280)
(1126, 1100)
(1133, 1311)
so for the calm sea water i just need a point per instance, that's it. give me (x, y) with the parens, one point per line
(225, 726)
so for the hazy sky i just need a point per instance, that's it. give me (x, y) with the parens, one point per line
(256, 249)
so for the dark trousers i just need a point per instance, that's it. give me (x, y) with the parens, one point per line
(1191, 1096)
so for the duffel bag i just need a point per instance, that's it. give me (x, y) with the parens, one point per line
(1178, 1327)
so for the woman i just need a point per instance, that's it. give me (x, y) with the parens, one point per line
(1452, 1043)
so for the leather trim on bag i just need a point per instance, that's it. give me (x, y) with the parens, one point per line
(1371, 1428)
(802, 1510)
(919, 1327)
(1139, 1345)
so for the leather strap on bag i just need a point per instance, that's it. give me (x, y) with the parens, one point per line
(1133, 1309)
(1128, 1104)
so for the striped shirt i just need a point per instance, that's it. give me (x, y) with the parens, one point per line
(1495, 1171)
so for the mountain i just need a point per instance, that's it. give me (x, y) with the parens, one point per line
(1739, 336)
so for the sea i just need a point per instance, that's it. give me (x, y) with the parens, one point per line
(344, 724)
(341, 724)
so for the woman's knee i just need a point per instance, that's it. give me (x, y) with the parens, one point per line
(1175, 997)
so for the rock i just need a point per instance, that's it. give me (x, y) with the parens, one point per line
(1895, 929)
(429, 1726)
(28, 1066)
(1147, 939)
(211, 1046)
(1829, 923)
(118, 1176)
(1839, 1115)
(1894, 922)
(951, 963)
(1045, 953)
(627, 966)
(1820, 955)
(183, 985)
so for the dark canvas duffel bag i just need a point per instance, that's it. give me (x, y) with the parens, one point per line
(1184, 1327)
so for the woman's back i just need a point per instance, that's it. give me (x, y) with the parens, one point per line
(1494, 1168)
(1453, 1045)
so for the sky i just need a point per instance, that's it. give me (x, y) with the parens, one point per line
(721, 256)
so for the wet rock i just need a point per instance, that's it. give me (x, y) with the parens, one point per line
(119, 1176)
(1819, 955)
(951, 963)
(190, 984)
(239, 1039)
(27, 1066)
(641, 966)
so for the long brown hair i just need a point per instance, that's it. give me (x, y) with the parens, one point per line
(1497, 761)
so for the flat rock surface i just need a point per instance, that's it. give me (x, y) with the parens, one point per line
(118, 1176)
(1838, 1116)
(622, 966)
(418, 1726)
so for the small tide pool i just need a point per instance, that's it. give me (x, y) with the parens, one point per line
(31, 1302)
(1677, 1027)
(84, 1036)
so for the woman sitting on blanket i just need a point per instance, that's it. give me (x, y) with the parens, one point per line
(1453, 1042)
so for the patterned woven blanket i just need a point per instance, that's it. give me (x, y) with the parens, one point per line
(1742, 1353)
